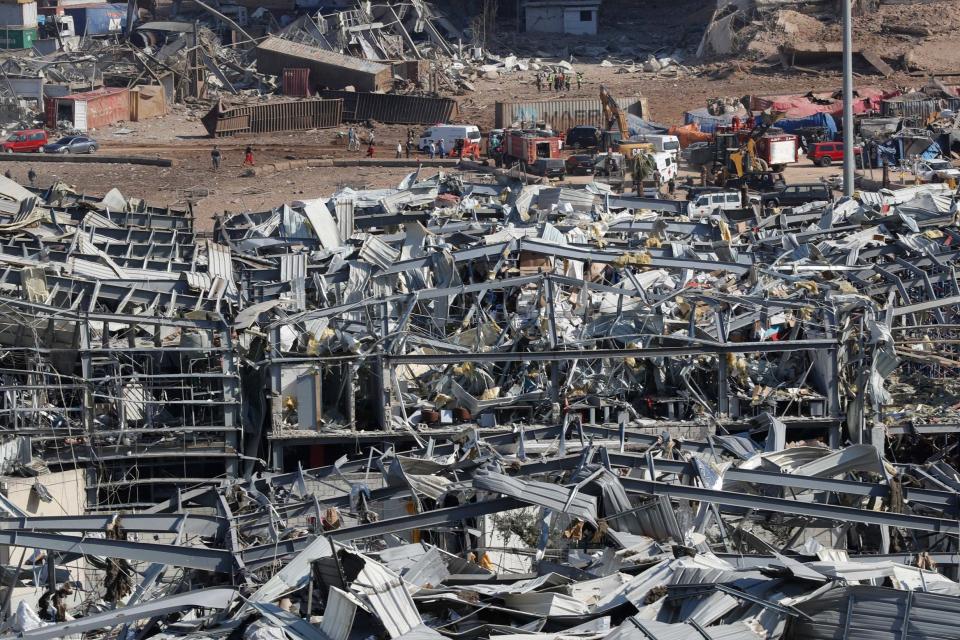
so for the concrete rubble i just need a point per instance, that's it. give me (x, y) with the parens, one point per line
(583, 414)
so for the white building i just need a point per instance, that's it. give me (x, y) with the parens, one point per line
(576, 17)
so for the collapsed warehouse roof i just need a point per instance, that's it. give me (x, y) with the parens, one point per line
(588, 414)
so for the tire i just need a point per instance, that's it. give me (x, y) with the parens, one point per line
(8, 150)
(773, 204)
(65, 151)
(825, 161)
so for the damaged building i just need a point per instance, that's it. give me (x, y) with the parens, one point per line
(468, 408)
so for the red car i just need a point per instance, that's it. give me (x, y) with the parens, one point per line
(26, 141)
(826, 153)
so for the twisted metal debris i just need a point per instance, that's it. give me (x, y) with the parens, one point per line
(572, 413)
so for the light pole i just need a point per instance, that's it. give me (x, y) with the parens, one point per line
(848, 153)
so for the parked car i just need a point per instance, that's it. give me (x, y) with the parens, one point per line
(25, 141)
(583, 137)
(72, 144)
(797, 194)
(937, 171)
(824, 154)
(548, 167)
(580, 165)
(762, 181)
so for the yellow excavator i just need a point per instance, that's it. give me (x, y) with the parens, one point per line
(615, 116)
(745, 159)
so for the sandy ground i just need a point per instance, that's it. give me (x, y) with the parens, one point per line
(181, 137)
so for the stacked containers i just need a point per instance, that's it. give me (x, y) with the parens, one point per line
(18, 24)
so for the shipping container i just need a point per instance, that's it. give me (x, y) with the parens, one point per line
(291, 115)
(18, 15)
(916, 108)
(393, 108)
(296, 82)
(562, 114)
(14, 38)
(90, 110)
(98, 19)
(528, 148)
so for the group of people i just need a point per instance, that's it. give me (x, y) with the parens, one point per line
(216, 157)
(558, 81)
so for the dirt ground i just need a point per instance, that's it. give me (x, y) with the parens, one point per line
(664, 27)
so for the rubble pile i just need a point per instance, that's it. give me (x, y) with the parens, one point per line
(582, 414)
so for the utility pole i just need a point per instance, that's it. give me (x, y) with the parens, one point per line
(848, 153)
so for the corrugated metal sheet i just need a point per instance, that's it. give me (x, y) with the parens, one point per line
(542, 494)
(637, 629)
(863, 612)
(392, 108)
(220, 264)
(428, 571)
(565, 113)
(292, 115)
(296, 574)
(377, 252)
(338, 615)
(293, 269)
(917, 107)
(345, 217)
(388, 597)
(296, 82)
(546, 604)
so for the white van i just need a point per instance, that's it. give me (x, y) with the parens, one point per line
(706, 203)
(666, 165)
(660, 142)
(449, 133)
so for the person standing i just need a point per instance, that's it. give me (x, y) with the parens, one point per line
(566, 80)
(579, 80)
(409, 147)
(372, 138)
(539, 82)
(370, 150)
(352, 144)
(32, 176)
(671, 187)
(442, 148)
(216, 157)
(248, 157)
(399, 150)
(432, 148)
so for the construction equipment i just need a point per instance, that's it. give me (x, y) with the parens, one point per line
(746, 151)
(615, 116)
(466, 149)
(526, 147)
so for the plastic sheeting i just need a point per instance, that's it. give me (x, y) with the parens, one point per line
(708, 122)
(804, 105)
(825, 120)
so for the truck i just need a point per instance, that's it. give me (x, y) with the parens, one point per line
(778, 150)
(526, 147)
(98, 19)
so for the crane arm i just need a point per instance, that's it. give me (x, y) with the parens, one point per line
(612, 112)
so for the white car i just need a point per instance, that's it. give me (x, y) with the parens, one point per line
(937, 171)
